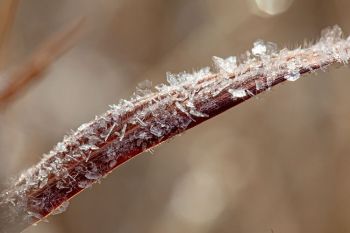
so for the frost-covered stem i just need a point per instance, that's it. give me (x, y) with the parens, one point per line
(150, 118)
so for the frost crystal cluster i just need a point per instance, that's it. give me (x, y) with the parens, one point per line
(153, 115)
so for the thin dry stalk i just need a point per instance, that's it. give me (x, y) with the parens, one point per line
(150, 118)
(21, 78)
(7, 15)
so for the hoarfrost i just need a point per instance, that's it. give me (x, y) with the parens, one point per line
(110, 131)
(62, 208)
(181, 108)
(262, 48)
(293, 71)
(249, 92)
(227, 65)
(331, 34)
(84, 184)
(237, 93)
(144, 88)
(34, 215)
(92, 175)
(159, 114)
(61, 147)
(141, 122)
(294, 76)
(122, 133)
(87, 147)
(197, 113)
(171, 78)
(259, 85)
(157, 131)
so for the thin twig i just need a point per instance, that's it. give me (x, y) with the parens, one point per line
(16, 81)
(7, 15)
(151, 117)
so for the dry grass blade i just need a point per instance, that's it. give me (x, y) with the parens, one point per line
(151, 117)
(7, 15)
(15, 82)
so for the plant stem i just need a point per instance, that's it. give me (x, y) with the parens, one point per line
(16, 81)
(151, 117)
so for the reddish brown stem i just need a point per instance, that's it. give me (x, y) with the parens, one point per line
(21, 78)
(135, 126)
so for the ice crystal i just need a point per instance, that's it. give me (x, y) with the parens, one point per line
(197, 113)
(331, 34)
(172, 79)
(35, 215)
(62, 208)
(181, 108)
(259, 48)
(110, 131)
(293, 71)
(157, 131)
(293, 76)
(227, 65)
(263, 48)
(144, 88)
(259, 85)
(237, 93)
(122, 133)
(87, 147)
(84, 184)
(93, 175)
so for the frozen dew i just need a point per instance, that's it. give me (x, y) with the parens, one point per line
(143, 135)
(43, 182)
(61, 147)
(34, 215)
(110, 131)
(61, 185)
(84, 184)
(171, 79)
(250, 93)
(237, 93)
(331, 34)
(62, 208)
(181, 107)
(269, 82)
(87, 147)
(94, 140)
(141, 122)
(92, 175)
(122, 133)
(111, 152)
(293, 72)
(259, 85)
(156, 131)
(161, 87)
(259, 48)
(294, 76)
(144, 88)
(227, 65)
(204, 72)
(197, 113)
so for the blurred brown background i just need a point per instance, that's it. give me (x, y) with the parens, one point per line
(277, 163)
